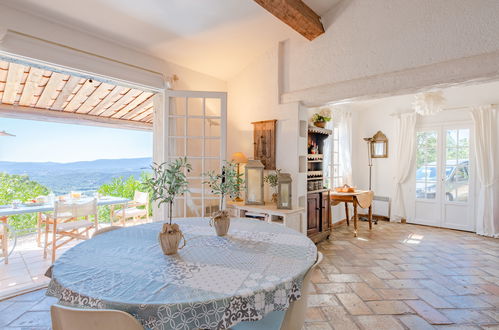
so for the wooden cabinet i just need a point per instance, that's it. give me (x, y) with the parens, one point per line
(313, 214)
(264, 142)
(326, 212)
(318, 216)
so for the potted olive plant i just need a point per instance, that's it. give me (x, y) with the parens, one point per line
(224, 184)
(167, 182)
(321, 118)
(273, 180)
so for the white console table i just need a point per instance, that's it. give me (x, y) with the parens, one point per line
(269, 212)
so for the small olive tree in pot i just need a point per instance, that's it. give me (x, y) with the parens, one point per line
(273, 180)
(225, 184)
(167, 182)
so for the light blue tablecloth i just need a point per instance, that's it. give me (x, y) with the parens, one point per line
(213, 283)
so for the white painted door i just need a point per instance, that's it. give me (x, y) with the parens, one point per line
(444, 177)
(196, 129)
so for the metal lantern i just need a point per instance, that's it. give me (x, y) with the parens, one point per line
(253, 175)
(284, 191)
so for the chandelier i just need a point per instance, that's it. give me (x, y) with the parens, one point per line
(428, 104)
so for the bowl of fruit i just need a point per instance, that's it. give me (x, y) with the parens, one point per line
(345, 189)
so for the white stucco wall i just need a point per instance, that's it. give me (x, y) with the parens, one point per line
(366, 38)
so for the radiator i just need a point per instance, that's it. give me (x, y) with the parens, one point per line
(382, 206)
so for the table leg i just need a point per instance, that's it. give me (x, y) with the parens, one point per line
(5, 241)
(370, 217)
(355, 218)
(346, 214)
(38, 228)
(123, 217)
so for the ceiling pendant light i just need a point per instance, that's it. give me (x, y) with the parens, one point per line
(429, 103)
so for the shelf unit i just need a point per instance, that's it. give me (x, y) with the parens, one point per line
(318, 205)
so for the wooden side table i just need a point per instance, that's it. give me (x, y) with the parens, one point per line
(363, 198)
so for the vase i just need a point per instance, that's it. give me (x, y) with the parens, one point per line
(221, 222)
(170, 237)
(320, 124)
(274, 198)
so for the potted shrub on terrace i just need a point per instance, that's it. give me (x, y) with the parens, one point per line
(167, 182)
(223, 184)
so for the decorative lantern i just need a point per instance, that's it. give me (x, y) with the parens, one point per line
(253, 175)
(284, 191)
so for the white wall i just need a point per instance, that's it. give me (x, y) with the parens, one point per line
(39, 27)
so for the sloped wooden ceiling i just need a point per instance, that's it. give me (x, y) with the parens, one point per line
(23, 87)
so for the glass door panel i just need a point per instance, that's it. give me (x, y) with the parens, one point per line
(196, 130)
(426, 165)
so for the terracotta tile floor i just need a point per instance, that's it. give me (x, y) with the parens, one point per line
(397, 277)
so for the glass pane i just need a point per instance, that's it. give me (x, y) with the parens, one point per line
(213, 107)
(177, 106)
(178, 208)
(197, 169)
(285, 188)
(452, 138)
(195, 127)
(426, 165)
(214, 165)
(253, 182)
(195, 187)
(176, 147)
(194, 207)
(336, 158)
(464, 137)
(212, 127)
(195, 147)
(195, 106)
(176, 126)
(211, 206)
(212, 147)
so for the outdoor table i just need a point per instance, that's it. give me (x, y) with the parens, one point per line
(5, 212)
(212, 283)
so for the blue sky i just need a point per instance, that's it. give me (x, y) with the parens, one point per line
(38, 141)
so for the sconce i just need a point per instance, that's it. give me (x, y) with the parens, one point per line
(253, 177)
(379, 145)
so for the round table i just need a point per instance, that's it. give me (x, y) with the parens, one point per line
(212, 283)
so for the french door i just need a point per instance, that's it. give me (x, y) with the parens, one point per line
(444, 194)
(196, 129)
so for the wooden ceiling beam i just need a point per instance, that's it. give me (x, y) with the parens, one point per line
(34, 78)
(13, 83)
(297, 15)
(50, 91)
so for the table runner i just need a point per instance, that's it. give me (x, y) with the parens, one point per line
(213, 283)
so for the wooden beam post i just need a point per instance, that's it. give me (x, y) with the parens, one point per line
(297, 15)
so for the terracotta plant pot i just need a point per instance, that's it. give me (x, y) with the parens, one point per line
(221, 222)
(320, 124)
(170, 237)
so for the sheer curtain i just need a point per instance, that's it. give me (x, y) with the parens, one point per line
(342, 120)
(485, 143)
(345, 142)
(406, 134)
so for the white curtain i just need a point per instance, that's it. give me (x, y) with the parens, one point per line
(485, 143)
(345, 142)
(342, 120)
(406, 134)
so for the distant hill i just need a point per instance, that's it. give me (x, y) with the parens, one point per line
(61, 178)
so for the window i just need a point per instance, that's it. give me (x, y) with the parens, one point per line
(333, 176)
